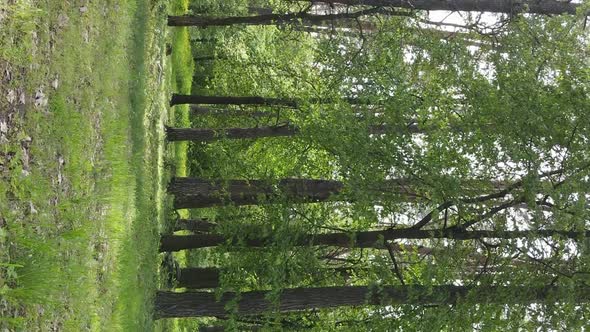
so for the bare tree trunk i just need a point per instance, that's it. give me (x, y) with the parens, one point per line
(208, 135)
(199, 193)
(178, 99)
(271, 19)
(198, 304)
(200, 110)
(195, 225)
(229, 100)
(545, 7)
(200, 278)
(366, 239)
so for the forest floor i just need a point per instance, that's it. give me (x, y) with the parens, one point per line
(83, 97)
(181, 69)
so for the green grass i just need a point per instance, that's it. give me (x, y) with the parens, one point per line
(182, 69)
(80, 178)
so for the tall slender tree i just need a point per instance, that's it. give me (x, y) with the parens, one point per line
(272, 19)
(178, 99)
(364, 239)
(199, 193)
(198, 304)
(545, 7)
(286, 130)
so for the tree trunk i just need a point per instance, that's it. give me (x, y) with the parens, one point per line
(208, 135)
(194, 225)
(200, 110)
(199, 193)
(366, 239)
(227, 100)
(200, 278)
(178, 99)
(545, 7)
(198, 304)
(271, 19)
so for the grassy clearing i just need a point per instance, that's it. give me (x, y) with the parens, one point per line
(180, 72)
(182, 68)
(81, 94)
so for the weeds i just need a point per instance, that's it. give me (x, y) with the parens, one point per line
(80, 184)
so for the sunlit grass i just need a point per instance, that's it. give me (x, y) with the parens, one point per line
(80, 198)
(181, 70)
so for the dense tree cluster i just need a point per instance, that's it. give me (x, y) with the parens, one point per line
(358, 165)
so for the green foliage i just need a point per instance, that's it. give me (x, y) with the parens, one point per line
(509, 110)
(68, 205)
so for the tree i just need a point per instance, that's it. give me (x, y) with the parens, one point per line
(200, 110)
(178, 99)
(199, 278)
(198, 304)
(364, 239)
(271, 19)
(518, 168)
(208, 135)
(195, 225)
(199, 193)
(545, 7)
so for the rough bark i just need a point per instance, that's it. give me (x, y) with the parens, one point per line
(272, 19)
(200, 110)
(366, 239)
(200, 193)
(199, 304)
(208, 135)
(200, 278)
(545, 7)
(194, 225)
(178, 99)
